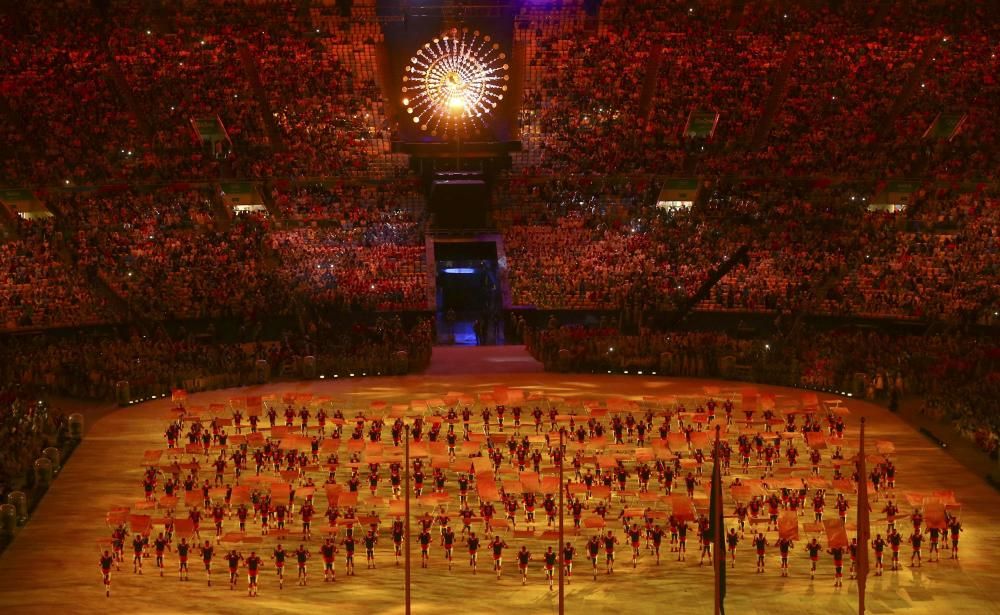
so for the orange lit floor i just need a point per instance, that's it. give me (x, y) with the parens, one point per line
(52, 566)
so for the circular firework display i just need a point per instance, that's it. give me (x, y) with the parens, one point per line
(453, 83)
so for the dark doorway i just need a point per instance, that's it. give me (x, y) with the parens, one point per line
(469, 303)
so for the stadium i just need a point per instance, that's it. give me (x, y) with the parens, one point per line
(541, 306)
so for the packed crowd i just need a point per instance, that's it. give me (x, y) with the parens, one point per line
(326, 104)
(729, 74)
(864, 361)
(581, 97)
(90, 364)
(959, 77)
(38, 288)
(581, 243)
(839, 94)
(570, 243)
(182, 78)
(601, 244)
(170, 253)
(372, 347)
(929, 275)
(850, 94)
(61, 119)
(972, 410)
(169, 208)
(600, 348)
(115, 101)
(385, 211)
(364, 250)
(164, 253)
(159, 251)
(957, 375)
(326, 267)
(87, 100)
(797, 240)
(27, 427)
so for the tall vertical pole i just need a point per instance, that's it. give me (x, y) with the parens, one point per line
(406, 508)
(562, 530)
(864, 522)
(718, 556)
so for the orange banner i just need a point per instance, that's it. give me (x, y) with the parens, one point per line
(934, 514)
(184, 528)
(682, 507)
(699, 439)
(530, 482)
(816, 440)
(550, 484)
(600, 492)
(487, 490)
(836, 535)
(788, 525)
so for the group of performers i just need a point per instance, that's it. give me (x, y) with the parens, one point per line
(505, 440)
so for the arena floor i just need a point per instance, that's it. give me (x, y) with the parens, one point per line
(52, 565)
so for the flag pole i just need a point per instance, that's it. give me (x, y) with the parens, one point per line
(406, 491)
(717, 556)
(562, 537)
(864, 524)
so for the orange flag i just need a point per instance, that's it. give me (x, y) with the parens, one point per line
(934, 514)
(836, 535)
(788, 525)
